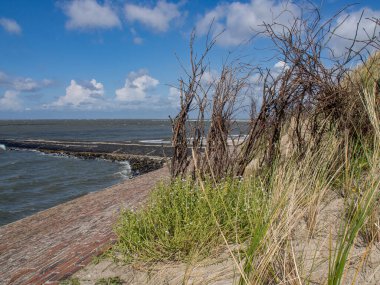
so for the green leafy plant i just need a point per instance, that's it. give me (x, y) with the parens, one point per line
(109, 281)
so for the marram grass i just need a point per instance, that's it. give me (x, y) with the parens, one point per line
(259, 215)
(177, 224)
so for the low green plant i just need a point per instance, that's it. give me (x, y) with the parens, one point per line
(297, 187)
(187, 220)
(358, 212)
(361, 209)
(179, 220)
(98, 258)
(109, 281)
(370, 232)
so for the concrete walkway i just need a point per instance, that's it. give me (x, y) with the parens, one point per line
(52, 245)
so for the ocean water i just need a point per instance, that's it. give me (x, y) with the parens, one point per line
(31, 181)
(87, 130)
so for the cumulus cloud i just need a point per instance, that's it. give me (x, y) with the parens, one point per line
(346, 26)
(256, 80)
(210, 76)
(136, 39)
(11, 26)
(24, 84)
(157, 18)
(88, 95)
(136, 86)
(10, 101)
(239, 20)
(174, 97)
(89, 14)
(280, 65)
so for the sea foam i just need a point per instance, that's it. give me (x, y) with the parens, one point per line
(158, 141)
(126, 170)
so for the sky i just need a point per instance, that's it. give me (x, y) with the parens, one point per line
(89, 59)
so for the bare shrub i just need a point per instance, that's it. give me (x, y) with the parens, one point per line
(189, 92)
(310, 96)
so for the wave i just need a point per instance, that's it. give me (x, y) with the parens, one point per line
(2, 147)
(159, 141)
(126, 170)
(57, 155)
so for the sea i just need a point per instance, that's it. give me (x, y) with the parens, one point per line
(31, 181)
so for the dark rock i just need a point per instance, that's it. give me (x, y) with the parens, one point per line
(135, 154)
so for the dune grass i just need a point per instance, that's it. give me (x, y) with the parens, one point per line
(177, 222)
(257, 217)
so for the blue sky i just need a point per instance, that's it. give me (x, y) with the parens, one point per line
(118, 59)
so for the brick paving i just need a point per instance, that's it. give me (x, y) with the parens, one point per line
(53, 244)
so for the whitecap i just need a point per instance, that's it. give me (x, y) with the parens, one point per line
(126, 170)
(159, 141)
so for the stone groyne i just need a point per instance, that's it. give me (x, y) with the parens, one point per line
(142, 158)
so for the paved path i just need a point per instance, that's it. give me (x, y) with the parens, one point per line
(53, 244)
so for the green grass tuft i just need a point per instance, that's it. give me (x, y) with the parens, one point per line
(178, 224)
(109, 281)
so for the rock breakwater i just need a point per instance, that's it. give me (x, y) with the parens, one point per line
(142, 158)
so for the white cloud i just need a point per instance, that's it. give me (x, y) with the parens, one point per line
(210, 76)
(279, 67)
(240, 20)
(88, 14)
(87, 95)
(136, 86)
(280, 64)
(138, 40)
(256, 80)
(10, 101)
(158, 18)
(24, 84)
(346, 26)
(11, 26)
(174, 97)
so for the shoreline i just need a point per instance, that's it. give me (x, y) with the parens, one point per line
(139, 164)
(55, 243)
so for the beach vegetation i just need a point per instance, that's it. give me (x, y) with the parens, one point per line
(183, 221)
(109, 281)
(266, 219)
(292, 200)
